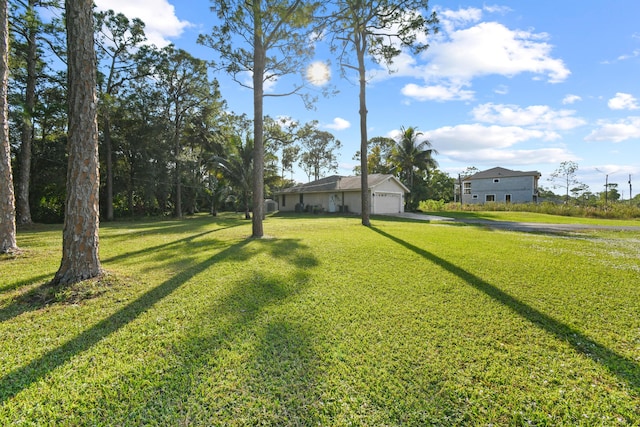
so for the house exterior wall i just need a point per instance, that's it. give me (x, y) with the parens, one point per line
(386, 197)
(516, 189)
(350, 199)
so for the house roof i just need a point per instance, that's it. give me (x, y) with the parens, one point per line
(342, 183)
(499, 172)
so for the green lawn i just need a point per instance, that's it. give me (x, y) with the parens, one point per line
(324, 322)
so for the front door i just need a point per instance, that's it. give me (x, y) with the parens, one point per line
(333, 202)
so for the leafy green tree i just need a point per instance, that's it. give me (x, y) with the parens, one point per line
(184, 82)
(611, 193)
(280, 137)
(80, 258)
(8, 241)
(565, 177)
(318, 151)
(138, 132)
(440, 186)
(269, 40)
(410, 158)
(378, 157)
(377, 29)
(119, 56)
(238, 166)
(29, 70)
(470, 170)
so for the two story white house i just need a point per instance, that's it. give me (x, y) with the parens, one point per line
(499, 185)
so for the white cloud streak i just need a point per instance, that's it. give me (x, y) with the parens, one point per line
(338, 124)
(534, 116)
(621, 130)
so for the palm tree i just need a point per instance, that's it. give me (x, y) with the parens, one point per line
(410, 156)
(237, 165)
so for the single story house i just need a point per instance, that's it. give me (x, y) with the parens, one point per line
(499, 185)
(342, 194)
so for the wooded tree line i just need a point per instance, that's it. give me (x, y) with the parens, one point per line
(167, 141)
(162, 120)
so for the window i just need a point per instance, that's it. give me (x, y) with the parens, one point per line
(475, 196)
(467, 188)
(496, 180)
(507, 198)
(490, 198)
(284, 200)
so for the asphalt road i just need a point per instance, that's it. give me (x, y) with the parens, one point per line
(519, 226)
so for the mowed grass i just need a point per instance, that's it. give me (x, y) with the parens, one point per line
(324, 322)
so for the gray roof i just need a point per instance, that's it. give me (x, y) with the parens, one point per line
(340, 183)
(500, 173)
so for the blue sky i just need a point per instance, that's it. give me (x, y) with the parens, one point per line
(522, 85)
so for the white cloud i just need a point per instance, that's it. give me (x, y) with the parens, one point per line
(466, 49)
(451, 19)
(513, 157)
(501, 90)
(623, 101)
(570, 99)
(631, 55)
(535, 116)
(161, 22)
(496, 9)
(491, 48)
(473, 137)
(338, 124)
(619, 131)
(436, 93)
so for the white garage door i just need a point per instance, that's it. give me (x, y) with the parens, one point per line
(386, 203)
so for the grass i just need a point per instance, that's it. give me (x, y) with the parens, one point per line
(324, 322)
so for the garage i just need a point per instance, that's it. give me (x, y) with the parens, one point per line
(386, 203)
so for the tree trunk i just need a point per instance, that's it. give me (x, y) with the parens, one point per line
(7, 199)
(23, 208)
(259, 60)
(364, 172)
(80, 258)
(109, 163)
(178, 213)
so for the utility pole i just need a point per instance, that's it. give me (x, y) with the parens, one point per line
(630, 193)
(606, 190)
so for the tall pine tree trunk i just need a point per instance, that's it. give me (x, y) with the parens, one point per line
(23, 208)
(109, 163)
(364, 157)
(259, 60)
(7, 199)
(80, 259)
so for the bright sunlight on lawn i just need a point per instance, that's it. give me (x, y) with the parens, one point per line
(325, 322)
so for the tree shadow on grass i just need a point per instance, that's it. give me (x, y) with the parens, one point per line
(624, 368)
(277, 369)
(21, 378)
(45, 294)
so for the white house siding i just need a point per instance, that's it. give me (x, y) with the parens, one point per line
(519, 188)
